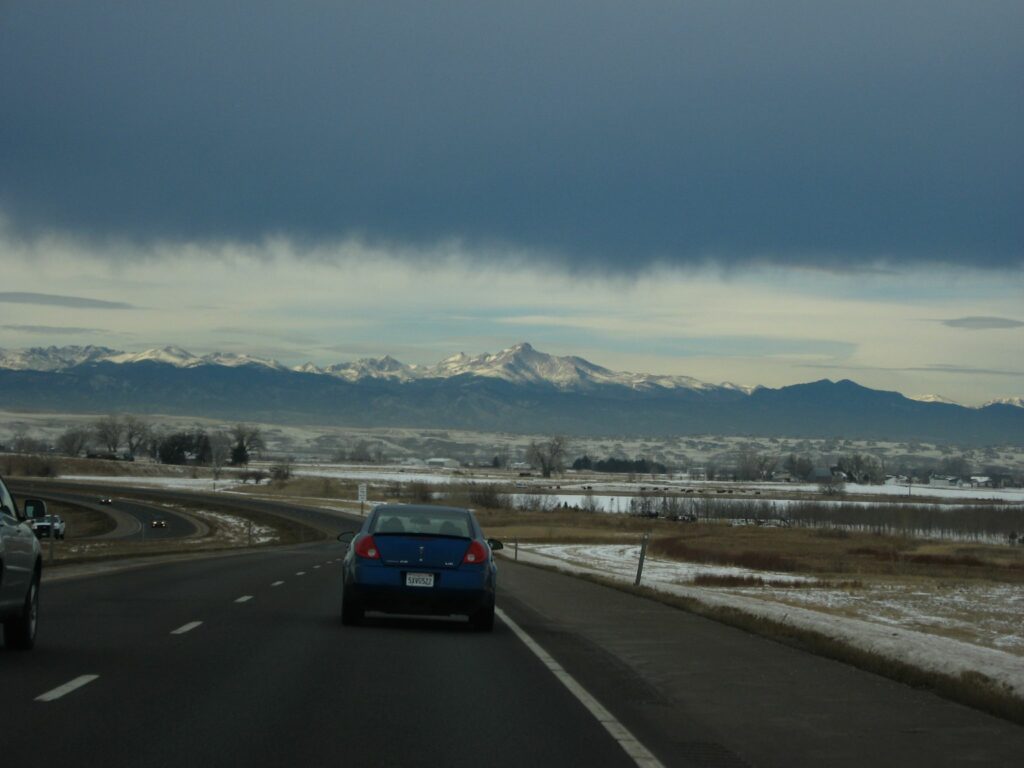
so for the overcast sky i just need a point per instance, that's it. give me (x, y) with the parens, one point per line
(758, 192)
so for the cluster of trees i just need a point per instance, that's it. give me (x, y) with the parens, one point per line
(800, 467)
(861, 468)
(612, 464)
(108, 435)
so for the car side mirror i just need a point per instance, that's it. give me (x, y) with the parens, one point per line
(495, 545)
(345, 537)
(33, 509)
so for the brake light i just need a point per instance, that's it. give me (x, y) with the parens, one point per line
(477, 553)
(366, 548)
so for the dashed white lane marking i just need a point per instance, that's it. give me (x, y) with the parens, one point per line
(186, 628)
(632, 746)
(68, 687)
(300, 573)
(316, 566)
(277, 584)
(244, 599)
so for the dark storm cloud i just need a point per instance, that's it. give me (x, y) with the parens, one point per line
(51, 300)
(609, 134)
(982, 323)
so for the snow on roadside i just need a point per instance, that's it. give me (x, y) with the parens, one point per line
(188, 483)
(878, 634)
(621, 559)
(236, 529)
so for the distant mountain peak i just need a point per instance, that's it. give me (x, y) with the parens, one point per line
(1017, 402)
(934, 399)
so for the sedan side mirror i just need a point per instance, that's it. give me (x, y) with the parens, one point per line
(345, 537)
(33, 509)
(495, 545)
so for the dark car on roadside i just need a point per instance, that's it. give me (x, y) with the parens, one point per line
(21, 565)
(420, 559)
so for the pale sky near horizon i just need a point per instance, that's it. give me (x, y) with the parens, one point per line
(735, 191)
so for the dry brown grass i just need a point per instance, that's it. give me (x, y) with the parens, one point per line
(81, 521)
(795, 550)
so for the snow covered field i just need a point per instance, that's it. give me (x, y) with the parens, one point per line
(969, 628)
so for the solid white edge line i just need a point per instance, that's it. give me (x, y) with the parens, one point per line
(629, 743)
(186, 628)
(277, 584)
(244, 599)
(68, 687)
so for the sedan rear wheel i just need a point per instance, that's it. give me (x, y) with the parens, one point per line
(351, 611)
(20, 632)
(483, 620)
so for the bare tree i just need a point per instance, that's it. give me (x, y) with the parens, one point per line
(281, 472)
(73, 441)
(833, 485)
(548, 457)
(137, 432)
(247, 440)
(361, 452)
(109, 431)
(220, 452)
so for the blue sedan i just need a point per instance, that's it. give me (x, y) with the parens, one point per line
(419, 559)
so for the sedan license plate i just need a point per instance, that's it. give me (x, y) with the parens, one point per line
(419, 579)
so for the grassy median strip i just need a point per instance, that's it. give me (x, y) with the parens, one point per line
(228, 530)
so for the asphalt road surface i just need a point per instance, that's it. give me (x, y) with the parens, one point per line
(242, 661)
(134, 520)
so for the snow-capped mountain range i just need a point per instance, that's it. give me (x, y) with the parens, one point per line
(519, 364)
(519, 389)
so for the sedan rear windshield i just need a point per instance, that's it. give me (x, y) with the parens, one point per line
(441, 523)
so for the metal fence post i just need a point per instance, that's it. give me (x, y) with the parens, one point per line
(517, 550)
(643, 555)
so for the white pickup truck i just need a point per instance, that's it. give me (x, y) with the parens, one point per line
(21, 564)
(47, 525)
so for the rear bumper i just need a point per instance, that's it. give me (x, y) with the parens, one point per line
(454, 591)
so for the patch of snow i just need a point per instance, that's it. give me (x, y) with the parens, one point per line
(186, 483)
(933, 399)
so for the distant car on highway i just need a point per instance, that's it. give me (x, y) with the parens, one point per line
(158, 523)
(21, 565)
(48, 525)
(106, 500)
(420, 559)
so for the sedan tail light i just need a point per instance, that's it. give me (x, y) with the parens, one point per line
(366, 548)
(477, 553)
